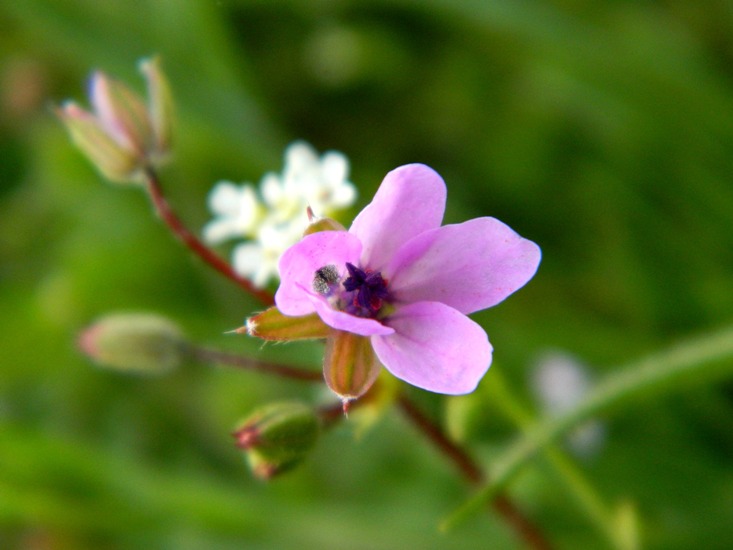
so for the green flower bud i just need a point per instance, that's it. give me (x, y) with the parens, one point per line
(277, 437)
(116, 162)
(316, 224)
(134, 342)
(123, 137)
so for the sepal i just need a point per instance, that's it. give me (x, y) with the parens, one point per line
(160, 104)
(274, 326)
(350, 366)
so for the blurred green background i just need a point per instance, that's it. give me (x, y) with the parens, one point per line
(601, 130)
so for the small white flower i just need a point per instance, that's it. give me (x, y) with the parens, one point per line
(324, 180)
(559, 382)
(276, 220)
(238, 209)
(321, 183)
(257, 260)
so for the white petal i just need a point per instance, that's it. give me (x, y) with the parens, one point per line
(334, 167)
(223, 199)
(271, 189)
(220, 230)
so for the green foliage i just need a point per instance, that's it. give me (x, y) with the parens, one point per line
(603, 131)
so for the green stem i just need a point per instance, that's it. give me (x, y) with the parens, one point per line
(696, 360)
(527, 531)
(588, 500)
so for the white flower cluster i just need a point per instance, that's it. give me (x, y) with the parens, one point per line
(276, 219)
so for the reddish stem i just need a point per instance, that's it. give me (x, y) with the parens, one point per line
(195, 245)
(473, 473)
(206, 355)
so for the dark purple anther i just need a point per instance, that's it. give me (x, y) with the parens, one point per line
(369, 288)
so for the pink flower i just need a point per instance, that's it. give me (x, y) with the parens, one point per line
(407, 284)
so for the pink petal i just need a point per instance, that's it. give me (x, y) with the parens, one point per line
(435, 348)
(410, 200)
(468, 266)
(299, 263)
(347, 322)
(121, 112)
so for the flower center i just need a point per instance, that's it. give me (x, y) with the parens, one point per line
(369, 289)
(363, 294)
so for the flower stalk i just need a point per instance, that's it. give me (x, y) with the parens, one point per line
(194, 244)
(207, 355)
(472, 472)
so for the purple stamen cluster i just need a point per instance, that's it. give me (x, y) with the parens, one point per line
(370, 290)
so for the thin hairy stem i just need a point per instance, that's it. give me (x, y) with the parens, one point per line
(206, 355)
(194, 244)
(472, 472)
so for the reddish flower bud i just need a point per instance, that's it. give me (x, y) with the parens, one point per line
(123, 136)
(142, 343)
(277, 437)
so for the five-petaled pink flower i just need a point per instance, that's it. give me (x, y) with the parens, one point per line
(407, 284)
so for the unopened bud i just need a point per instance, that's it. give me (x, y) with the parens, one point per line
(277, 437)
(134, 342)
(317, 224)
(274, 326)
(115, 162)
(123, 137)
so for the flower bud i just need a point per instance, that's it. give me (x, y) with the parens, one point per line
(350, 366)
(277, 437)
(115, 162)
(122, 113)
(274, 326)
(123, 137)
(134, 342)
(316, 224)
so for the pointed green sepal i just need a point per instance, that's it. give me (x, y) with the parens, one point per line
(160, 104)
(274, 326)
